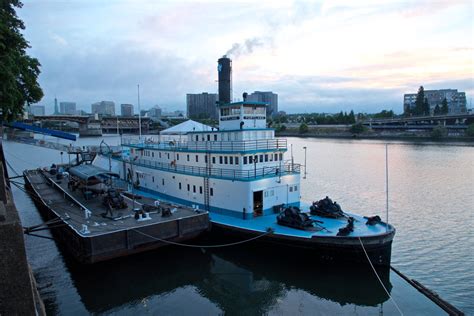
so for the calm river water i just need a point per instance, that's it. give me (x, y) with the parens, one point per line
(431, 201)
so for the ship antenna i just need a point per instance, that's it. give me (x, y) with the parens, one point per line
(386, 184)
(139, 115)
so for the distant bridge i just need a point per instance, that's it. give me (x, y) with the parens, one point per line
(89, 126)
(461, 120)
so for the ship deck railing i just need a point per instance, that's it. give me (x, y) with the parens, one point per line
(231, 174)
(209, 146)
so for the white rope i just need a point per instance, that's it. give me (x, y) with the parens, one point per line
(381, 283)
(204, 246)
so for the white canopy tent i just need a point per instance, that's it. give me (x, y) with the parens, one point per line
(178, 132)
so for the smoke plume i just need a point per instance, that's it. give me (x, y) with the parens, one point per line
(247, 47)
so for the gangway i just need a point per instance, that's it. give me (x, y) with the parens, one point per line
(42, 130)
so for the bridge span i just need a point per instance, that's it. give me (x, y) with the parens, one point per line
(90, 126)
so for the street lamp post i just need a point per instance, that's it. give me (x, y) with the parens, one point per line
(304, 177)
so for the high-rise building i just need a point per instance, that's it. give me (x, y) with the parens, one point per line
(268, 97)
(456, 100)
(68, 108)
(126, 109)
(56, 109)
(224, 70)
(155, 112)
(37, 110)
(201, 105)
(103, 108)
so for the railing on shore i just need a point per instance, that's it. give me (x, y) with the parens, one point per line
(231, 174)
(225, 146)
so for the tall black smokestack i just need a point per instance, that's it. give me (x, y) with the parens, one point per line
(224, 68)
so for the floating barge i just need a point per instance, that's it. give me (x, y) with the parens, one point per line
(82, 224)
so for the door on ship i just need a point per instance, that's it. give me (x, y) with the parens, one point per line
(257, 203)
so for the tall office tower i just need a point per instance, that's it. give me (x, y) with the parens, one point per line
(56, 109)
(103, 108)
(224, 69)
(37, 110)
(68, 108)
(267, 97)
(456, 100)
(202, 105)
(126, 109)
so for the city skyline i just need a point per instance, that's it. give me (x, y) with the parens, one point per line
(318, 57)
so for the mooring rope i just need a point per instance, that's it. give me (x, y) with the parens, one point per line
(11, 167)
(377, 275)
(269, 231)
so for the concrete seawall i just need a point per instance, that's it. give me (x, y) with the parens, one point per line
(18, 293)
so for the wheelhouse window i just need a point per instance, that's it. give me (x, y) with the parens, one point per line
(260, 110)
(245, 160)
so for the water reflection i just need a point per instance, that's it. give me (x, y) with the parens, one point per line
(247, 280)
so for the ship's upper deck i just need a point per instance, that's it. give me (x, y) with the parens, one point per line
(200, 145)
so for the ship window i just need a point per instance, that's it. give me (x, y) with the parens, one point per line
(177, 156)
(213, 159)
(168, 154)
(215, 137)
(194, 189)
(225, 160)
(188, 157)
(197, 158)
(276, 157)
(188, 187)
(291, 189)
(266, 194)
(271, 157)
(250, 159)
(237, 160)
(205, 159)
(281, 156)
(200, 190)
(261, 158)
(231, 160)
(245, 160)
(208, 137)
(179, 185)
(153, 154)
(212, 191)
(162, 181)
(153, 179)
(296, 188)
(197, 137)
(255, 159)
(266, 157)
(220, 160)
(159, 154)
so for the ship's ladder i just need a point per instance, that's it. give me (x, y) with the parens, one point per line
(206, 178)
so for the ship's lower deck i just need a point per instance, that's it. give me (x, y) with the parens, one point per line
(376, 239)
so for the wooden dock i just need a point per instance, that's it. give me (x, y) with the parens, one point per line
(79, 225)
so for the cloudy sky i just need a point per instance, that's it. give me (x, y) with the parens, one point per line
(318, 56)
